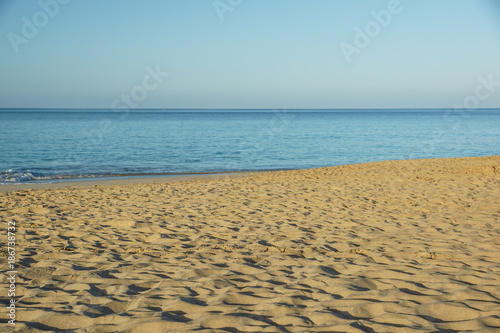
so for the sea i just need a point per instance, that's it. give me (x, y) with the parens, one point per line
(53, 145)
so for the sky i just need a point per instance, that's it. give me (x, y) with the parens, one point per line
(249, 54)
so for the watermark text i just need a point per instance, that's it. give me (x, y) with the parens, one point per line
(31, 26)
(11, 272)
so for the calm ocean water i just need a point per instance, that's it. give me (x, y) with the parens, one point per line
(37, 145)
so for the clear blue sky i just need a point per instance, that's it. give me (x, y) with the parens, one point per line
(264, 54)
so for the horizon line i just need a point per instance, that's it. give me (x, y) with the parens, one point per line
(274, 108)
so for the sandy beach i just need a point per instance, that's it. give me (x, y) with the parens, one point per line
(396, 246)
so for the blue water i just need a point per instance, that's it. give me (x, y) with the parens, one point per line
(55, 144)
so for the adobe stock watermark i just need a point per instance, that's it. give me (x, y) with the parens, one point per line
(224, 6)
(372, 29)
(30, 27)
(255, 146)
(485, 89)
(250, 148)
(11, 272)
(129, 100)
(454, 117)
(139, 93)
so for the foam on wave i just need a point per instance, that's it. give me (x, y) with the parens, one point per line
(20, 176)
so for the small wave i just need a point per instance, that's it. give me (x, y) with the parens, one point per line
(12, 177)
(23, 176)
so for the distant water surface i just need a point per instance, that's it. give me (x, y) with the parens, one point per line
(38, 145)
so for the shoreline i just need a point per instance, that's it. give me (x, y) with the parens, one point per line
(128, 179)
(121, 180)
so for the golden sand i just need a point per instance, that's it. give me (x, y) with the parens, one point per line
(398, 246)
